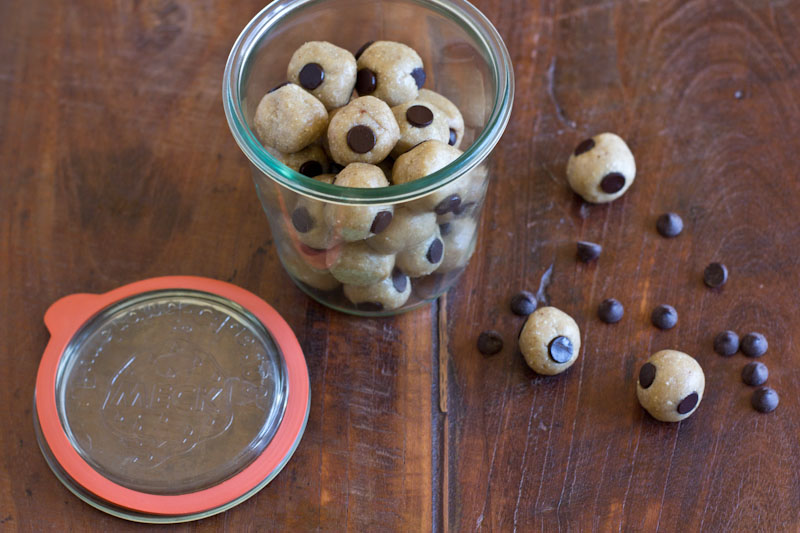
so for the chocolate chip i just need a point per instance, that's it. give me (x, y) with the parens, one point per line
(610, 311)
(445, 229)
(664, 317)
(371, 307)
(448, 204)
(647, 374)
(715, 275)
(584, 146)
(311, 76)
(311, 168)
(302, 219)
(612, 182)
(754, 344)
(765, 400)
(490, 342)
(419, 76)
(453, 137)
(726, 343)
(669, 225)
(419, 116)
(279, 86)
(399, 280)
(336, 168)
(435, 252)
(366, 81)
(381, 221)
(755, 373)
(461, 208)
(560, 349)
(361, 139)
(361, 50)
(588, 251)
(688, 403)
(523, 303)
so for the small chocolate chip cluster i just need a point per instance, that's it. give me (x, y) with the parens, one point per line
(755, 373)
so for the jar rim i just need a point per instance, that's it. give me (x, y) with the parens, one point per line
(475, 24)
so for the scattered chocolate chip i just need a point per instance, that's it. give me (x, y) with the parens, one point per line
(726, 343)
(523, 303)
(647, 374)
(419, 116)
(560, 349)
(754, 344)
(588, 251)
(361, 50)
(612, 182)
(366, 82)
(445, 229)
(490, 342)
(311, 168)
(765, 400)
(448, 204)
(279, 86)
(669, 225)
(715, 275)
(370, 307)
(435, 251)
(361, 139)
(664, 317)
(311, 76)
(399, 280)
(688, 403)
(302, 219)
(755, 373)
(584, 146)
(610, 311)
(381, 221)
(336, 167)
(462, 207)
(419, 76)
(453, 137)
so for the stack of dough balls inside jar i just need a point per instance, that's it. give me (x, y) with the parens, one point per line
(366, 121)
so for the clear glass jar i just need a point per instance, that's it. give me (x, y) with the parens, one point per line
(465, 60)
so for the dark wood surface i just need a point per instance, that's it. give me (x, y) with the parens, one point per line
(116, 164)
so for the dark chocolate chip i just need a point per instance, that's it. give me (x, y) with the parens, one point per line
(726, 343)
(311, 168)
(715, 275)
(366, 81)
(453, 137)
(311, 76)
(560, 349)
(490, 343)
(448, 204)
(399, 280)
(279, 86)
(664, 317)
(419, 76)
(669, 225)
(584, 146)
(361, 50)
(754, 344)
(688, 403)
(419, 116)
(302, 219)
(610, 311)
(755, 373)
(381, 221)
(765, 400)
(647, 374)
(612, 182)
(435, 251)
(370, 307)
(445, 229)
(523, 303)
(361, 139)
(336, 168)
(588, 251)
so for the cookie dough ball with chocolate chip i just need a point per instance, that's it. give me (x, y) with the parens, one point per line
(406, 229)
(472, 189)
(455, 121)
(363, 131)
(390, 71)
(423, 160)
(418, 122)
(550, 341)
(299, 269)
(423, 258)
(325, 70)
(308, 219)
(311, 161)
(670, 385)
(358, 264)
(288, 119)
(357, 222)
(387, 294)
(459, 237)
(601, 168)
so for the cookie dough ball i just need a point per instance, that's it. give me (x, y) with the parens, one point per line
(418, 122)
(363, 131)
(455, 121)
(670, 385)
(358, 264)
(386, 295)
(357, 222)
(423, 258)
(288, 119)
(390, 71)
(308, 219)
(311, 161)
(422, 161)
(471, 190)
(326, 71)
(601, 168)
(407, 229)
(304, 272)
(550, 341)
(459, 237)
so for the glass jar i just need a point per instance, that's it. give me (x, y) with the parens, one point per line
(465, 60)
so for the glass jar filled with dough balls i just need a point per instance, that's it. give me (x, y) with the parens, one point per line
(368, 126)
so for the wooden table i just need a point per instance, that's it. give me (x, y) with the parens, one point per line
(117, 164)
